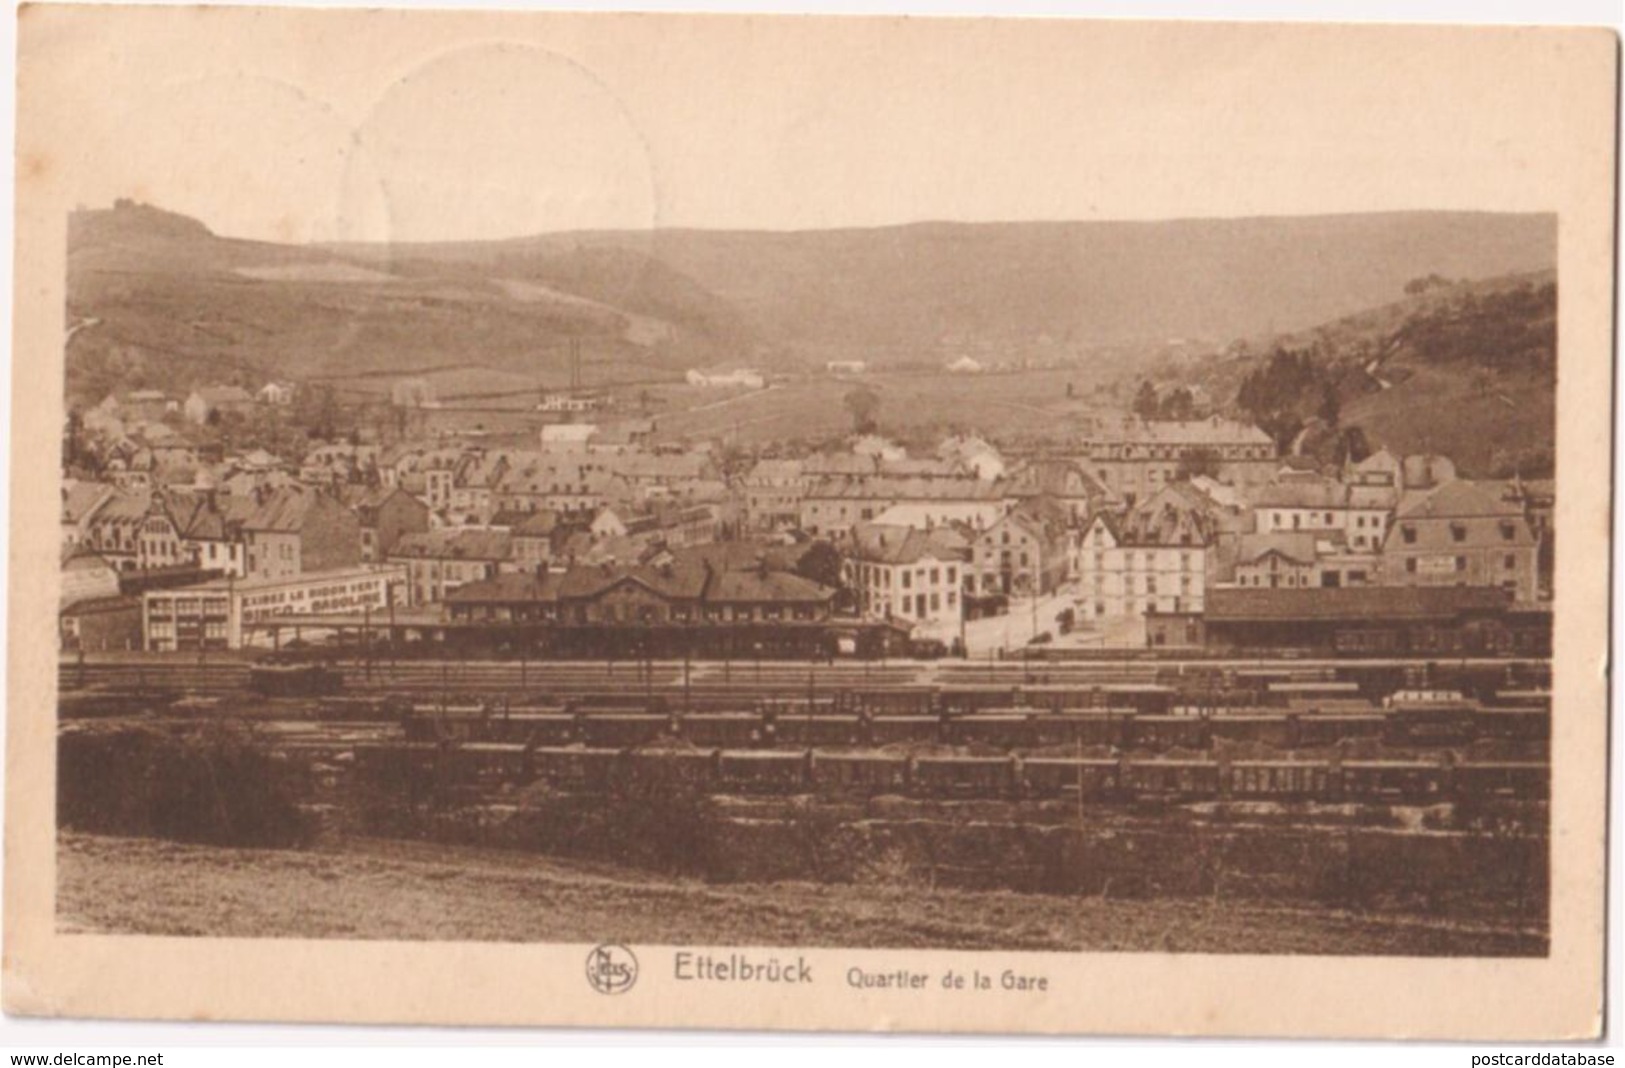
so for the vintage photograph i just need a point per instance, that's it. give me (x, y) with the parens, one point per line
(538, 508)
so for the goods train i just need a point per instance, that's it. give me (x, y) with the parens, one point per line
(1012, 777)
(1006, 729)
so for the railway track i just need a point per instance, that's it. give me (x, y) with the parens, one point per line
(507, 677)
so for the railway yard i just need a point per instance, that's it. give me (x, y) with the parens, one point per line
(1421, 786)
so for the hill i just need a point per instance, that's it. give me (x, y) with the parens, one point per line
(1467, 369)
(918, 293)
(162, 299)
(158, 299)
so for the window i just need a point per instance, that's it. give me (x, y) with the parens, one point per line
(1508, 531)
(1410, 564)
(1509, 561)
(908, 579)
(1461, 563)
(1408, 534)
(1458, 532)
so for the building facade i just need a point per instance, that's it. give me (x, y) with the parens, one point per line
(1463, 534)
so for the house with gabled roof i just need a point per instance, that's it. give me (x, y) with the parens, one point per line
(439, 561)
(1463, 533)
(1154, 558)
(207, 402)
(906, 573)
(295, 529)
(1026, 552)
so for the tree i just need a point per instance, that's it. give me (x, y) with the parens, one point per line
(1179, 405)
(1145, 401)
(863, 404)
(1282, 394)
(821, 563)
(1331, 407)
(1417, 286)
(1198, 461)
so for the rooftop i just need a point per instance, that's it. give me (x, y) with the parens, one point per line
(1352, 602)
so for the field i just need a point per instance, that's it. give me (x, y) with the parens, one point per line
(813, 408)
(372, 889)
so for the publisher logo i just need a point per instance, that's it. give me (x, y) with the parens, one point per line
(611, 968)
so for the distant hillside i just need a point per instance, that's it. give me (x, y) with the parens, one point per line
(161, 299)
(937, 288)
(1467, 369)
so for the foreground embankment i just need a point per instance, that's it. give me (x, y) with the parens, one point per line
(1449, 873)
(375, 889)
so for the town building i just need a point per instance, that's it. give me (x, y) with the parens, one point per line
(80, 502)
(740, 378)
(772, 494)
(908, 574)
(681, 608)
(1134, 458)
(289, 531)
(1155, 558)
(1464, 533)
(562, 401)
(1063, 481)
(567, 437)
(974, 455)
(208, 403)
(224, 613)
(1374, 620)
(1025, 553)
(439, 561)
(385, 514)
(1360, 511)
(831, 506)
(276, 394)
(101, 625)
(86, 576)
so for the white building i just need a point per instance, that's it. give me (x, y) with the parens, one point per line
(740, 378)
(908, 575)
(1154, 559)
(567, 437)
(569, 402)
(1316, 504)
(275, 393)
(219, 614)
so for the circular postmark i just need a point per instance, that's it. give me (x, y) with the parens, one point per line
(611, 968)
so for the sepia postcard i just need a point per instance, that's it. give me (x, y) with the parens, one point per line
(759, 522)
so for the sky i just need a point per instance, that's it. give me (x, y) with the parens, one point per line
(416, 126)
